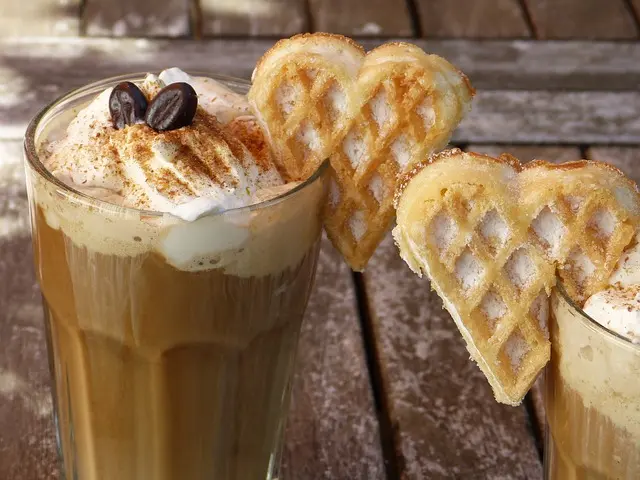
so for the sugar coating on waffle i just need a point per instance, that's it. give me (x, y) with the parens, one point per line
(373, 115)
(491, 235)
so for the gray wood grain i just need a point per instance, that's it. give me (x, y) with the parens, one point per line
(536, 399)
(595, 19)
(253, 17)
(526, 153)
(447, 422)
(34, 72)
(357, 17)
(137, 18)
(39, 18)
(552, 117)
(332, 430)
(472, 18)
(27, 441)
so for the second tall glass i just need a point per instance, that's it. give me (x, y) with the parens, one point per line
(592, 399)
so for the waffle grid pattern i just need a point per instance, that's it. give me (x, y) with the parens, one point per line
(518, 327)
(584, 240)
(364, 147)
(492, 236)
(372, 123)
(403, 95)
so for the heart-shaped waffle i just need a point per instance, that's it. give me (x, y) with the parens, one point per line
(491, 235)
(319, 96)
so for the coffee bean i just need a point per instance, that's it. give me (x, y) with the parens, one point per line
(127, 105)
(173, 107)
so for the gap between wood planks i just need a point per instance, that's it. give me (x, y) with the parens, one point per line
(388, 440)
(414, 16)
(635, 14)
(536, 424)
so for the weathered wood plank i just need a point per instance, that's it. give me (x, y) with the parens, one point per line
(27, 441)
(40, 18)
(472, 18)
(513, 65)
(595, 19)
(356, 17)
(139, 18)
(253, 17)
(332, 430)
(448, 423)
(626, 159)
(552, 117)
(536, 398)
(526, 153)
(34, 72)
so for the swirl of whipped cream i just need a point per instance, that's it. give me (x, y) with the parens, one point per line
(218, 162)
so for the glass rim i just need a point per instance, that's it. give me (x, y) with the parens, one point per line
(31, 152)
(590, 321)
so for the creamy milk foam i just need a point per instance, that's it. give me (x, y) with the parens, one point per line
(190, 232)
(618, 307)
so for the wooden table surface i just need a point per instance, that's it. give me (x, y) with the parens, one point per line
(384, 388)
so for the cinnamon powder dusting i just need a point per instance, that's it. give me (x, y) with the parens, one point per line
(200, 152)
(144, 168)
(249, 132)
(628, 296)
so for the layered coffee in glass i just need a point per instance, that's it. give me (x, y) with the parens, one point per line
(172, 331)
(592, 395)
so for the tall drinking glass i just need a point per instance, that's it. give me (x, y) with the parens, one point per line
(592, 399)
(171, 343)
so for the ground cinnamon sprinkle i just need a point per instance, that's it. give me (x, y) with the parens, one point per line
(629, 296)
(249, 132)
(194, 159)
(202, 149)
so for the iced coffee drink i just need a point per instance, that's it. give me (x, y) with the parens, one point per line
(175, 265)
(592, 392)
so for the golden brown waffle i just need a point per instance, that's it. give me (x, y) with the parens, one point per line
(373, 115)
(490, 235)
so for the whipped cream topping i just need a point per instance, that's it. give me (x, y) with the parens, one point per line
(219, 162)
(618, 306)
(618, 309)
(213, 97)
(627, 272)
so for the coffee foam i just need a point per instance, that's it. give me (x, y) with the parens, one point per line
(627, 272)
(168, 171)
(618, 309)
(215, 98)
(244, 242)
(618, 306)
(601, 368)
